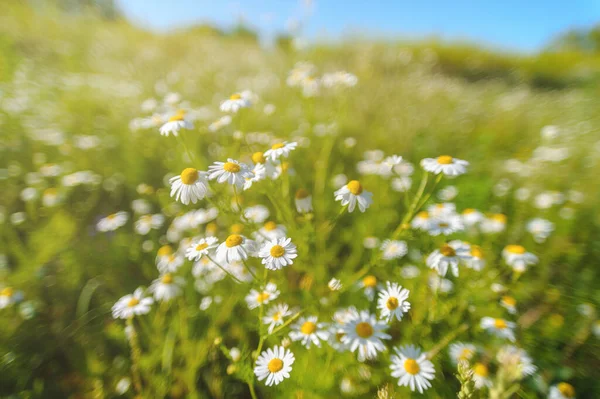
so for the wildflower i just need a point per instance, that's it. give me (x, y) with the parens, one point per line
(279, 150)
(509, 303)
(219, 123)
(309, 332)
(412, 368)
(562, 390)
(8, 297)
(255, 298)
(499, 327)
(393, 302)
(444, 224)
(364, 333)
(493, 224)
(475, 258)
(460, 351)
(516, 360)
(393, 249)
(170, 263)
(258, 173)
(471, 217)
(448, 255)
(303, 201)
(517, 257)
(112, 222)
(276, 315)
(442, 210)
(334, 284)
(540, 229)
(132, 305)
(50, 197)
(436, 283)
(278, 253)
(175, 124)
(235, 248)
(270, 231)
(274, 365)
(200, 248)
(445, 164)
(148, 222)
(232, 172)
(481, 376)
(236, 102)
(369, 283)
(257, 213)
(421, 221)
(166, 287)
(189, 186)
(353, 193)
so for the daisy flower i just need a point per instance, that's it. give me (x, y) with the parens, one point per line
(471, 217)
(175, 124)
(112, 222)
(258, 172)
(279, 150)
(460, 351)
(442, 210)
(132, 305)
(270, 231)
(364, 333)
(148, 222)
(334, 284)
(189, 186)
(163, 252)
(8, 297)
(412, 368)
(499, 327)
(495, 223)
(445, 164)
(369, 284)
(353, 193)
(444, 224)
(518, 258)
(509, 303)
(275, 316)
(309, 332)
(303, 201)
(393, 249)
(232, 172)
(540, 229)
(475, 258)
(481, 375)
(448, 255)
(170, 263)
(517, 360)
(259, 158)
(278, 253)
(166, 287)
(236, 102)
(421, 221)
(274, 365)
(257, 213)
(393, 302)
(255, 298)
(235, 248)
(200, 248)
(562, 390)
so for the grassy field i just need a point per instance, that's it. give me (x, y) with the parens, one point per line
(82, 102)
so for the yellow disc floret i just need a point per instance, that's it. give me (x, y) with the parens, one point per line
(411, 366)
(231, 167)
(515, 249)
(277, 251)
(370, 281)
(364, 329)
(167, 279)
(133, 302)
(500, 324)
(275, 365)
(445, 160)
(447, 250)
(277, 146)
(308, 328)
(355, 187)
(392, 303)
(189, 176)
(258, 157)
(233, 240)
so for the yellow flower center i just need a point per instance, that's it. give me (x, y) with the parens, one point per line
(202, 246)
(7, 291)
(275, 365)
(132, 302)
(445, 160)
(481, 370)
(411, 366)
(189, 176)
(258, 157)
(468, 211)
(423, 215)
(50, 191)
(277, 316)
(364, 329)
(211, 228)
(355, 187)
(231, 167)
(500, 324)
(515, 249)
(308, 328)
(370, 281)
(302, 193)
(498, 217)
(263, 296)
(447, 250)
(237, 228)
(277, 146)
(465, 354)
(476, 251)
(270, 226)
(176, 117)
(167, 278)
(165, 250)
(111, 216)
(233, 240)
(277, 251)
(566, 389)
(392, 303)
(509, 300)
(235, 96)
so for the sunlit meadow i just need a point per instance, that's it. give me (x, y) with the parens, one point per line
(194, 216)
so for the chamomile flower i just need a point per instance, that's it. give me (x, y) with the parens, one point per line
(9, 296)
(493, 224)
(112, 222)
(448, 256)
(475, 258)
(499, 327)
(189, 186)
(353, 193)
(258, 172)
(132, 305)
(279, 150)
(166, 287)
(412, 368)
(445, 164)
(236, 102)
(540, 229)
(309, 332)
(481, 376)
(175, 124)
(509, 303)
(274, 365)
(516, 360)
(257, 213)
(276, 316)
(334, 284)
(517, 257)
(235, 248)
(200, 248)
(393, 249)
(231, 172)
(270, 231)
(421, 221)
(149, 222)
(562, 390)
(364, 334)
(278, 253)
(392, 302)
(445, 225)
(460, 351)
(442, 210)
(256, 298)
(472, 217)
(369, 284)
(303, 201)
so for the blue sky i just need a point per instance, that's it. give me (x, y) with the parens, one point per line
(523, 25)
